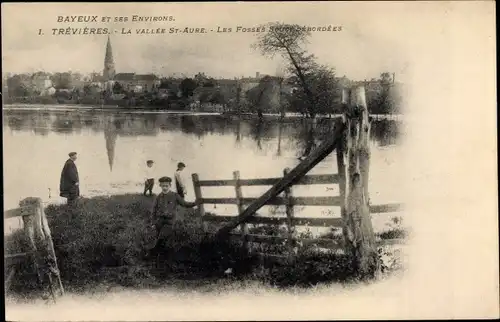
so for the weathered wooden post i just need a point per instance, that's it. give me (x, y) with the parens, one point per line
(40, 241)
(289, 215)
(239, 203)
(353, 160)
(198, 195)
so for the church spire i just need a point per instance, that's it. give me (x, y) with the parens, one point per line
(109, 63)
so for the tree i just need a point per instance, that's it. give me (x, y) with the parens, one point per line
(255, 95)
(385, 78)
(62, 80)
(287, 40)
(17, 86)
(217, 98)
(324, 88)
(118, 88)
(165, 83)
(209, 82)
(187, 87)
(386, 99)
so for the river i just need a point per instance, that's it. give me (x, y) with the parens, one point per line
(113, 147)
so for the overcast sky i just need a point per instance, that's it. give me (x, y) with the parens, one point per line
(373, 37)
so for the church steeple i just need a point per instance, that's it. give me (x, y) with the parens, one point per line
(109, 64)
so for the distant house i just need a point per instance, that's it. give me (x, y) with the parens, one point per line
(40, 82)
(148, 82)
(126, 80)
(48, 91)
(138, 83)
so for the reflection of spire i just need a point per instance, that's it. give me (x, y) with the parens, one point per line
(110, 135)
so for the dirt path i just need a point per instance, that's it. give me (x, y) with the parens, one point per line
(215, 302)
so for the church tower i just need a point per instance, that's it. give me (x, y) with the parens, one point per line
(109, 64)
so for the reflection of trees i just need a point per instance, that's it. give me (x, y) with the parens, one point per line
(309, 137)
(16, 123)
(41, 123)
(258, 134)
(280, 130)
(190, 125)
(385, 132)
(137, 125)
(292, 134)
(63, 123)
(262, 131)
(238, 132)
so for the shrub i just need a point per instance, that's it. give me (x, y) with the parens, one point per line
(395, 231)
(311, 267)
(107, 239)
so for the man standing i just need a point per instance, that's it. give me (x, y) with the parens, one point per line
(179, 181)
(69, 184)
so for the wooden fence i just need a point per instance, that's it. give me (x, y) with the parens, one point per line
(41, 247)
(289, 201)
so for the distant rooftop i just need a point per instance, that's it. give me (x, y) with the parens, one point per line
(134, 76)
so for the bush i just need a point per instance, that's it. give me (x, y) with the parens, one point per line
(311, 267)
(107, 239)
(395, 231)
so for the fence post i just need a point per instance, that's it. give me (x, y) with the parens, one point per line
(341, 169)
(198, 195)
(289, 214)
(40, 240)
(239, 203)
(360, 238)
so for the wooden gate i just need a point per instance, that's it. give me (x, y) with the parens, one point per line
(350, 137)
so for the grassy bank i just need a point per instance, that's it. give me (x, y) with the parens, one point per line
(105, 242)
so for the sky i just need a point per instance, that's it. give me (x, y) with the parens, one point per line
(374, 37)
(367, 45)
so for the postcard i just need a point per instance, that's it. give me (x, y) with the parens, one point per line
(249, 161)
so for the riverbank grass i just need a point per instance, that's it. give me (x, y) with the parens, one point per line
(106, 239)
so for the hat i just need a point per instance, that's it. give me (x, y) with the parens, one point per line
(165, 179)
(71, 154)
(181, 165)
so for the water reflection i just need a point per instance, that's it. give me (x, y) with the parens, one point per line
(212, 146)
(280, 130)
(111, 127)
(261, 132)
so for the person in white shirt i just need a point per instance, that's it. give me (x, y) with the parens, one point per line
(179, 181)
(149, 180)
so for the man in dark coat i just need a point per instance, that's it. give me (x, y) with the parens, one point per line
(69, 185)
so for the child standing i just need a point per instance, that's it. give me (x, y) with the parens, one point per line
(179, 181)
(164, 212)
(149, 180)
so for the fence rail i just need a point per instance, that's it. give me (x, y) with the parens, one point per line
(280, 201)
(306, 180)
(289, 201)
